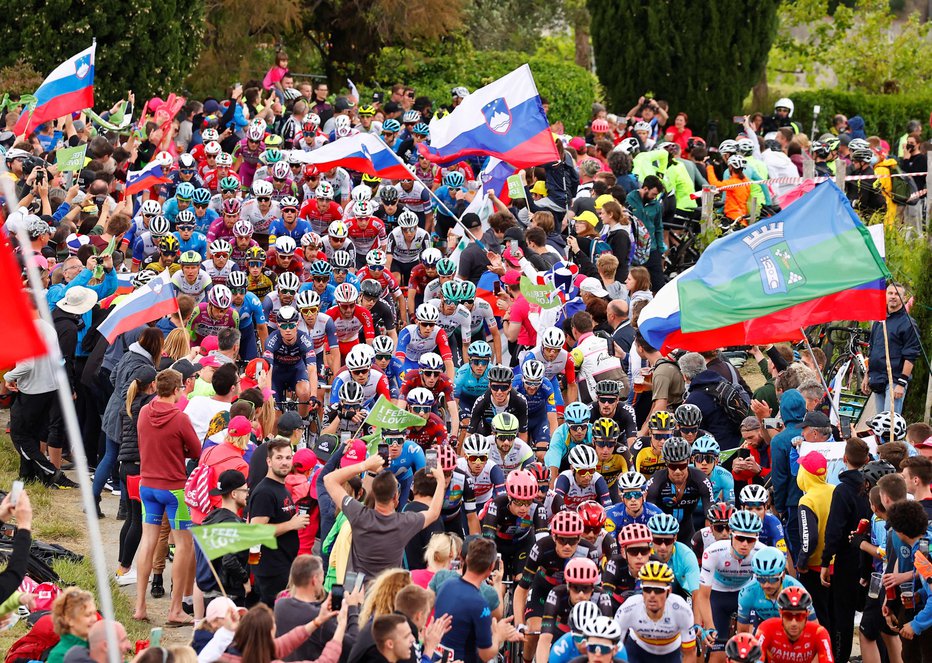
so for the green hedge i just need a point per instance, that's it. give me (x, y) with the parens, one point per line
(570, 89)
(884, 115)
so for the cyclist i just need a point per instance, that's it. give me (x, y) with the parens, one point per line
(191, 279)
(390, 291)
(446, 273)
(359, 370)
(188, 237)
(342, 264)
(704, 457)
(558, 365)
(321, 272)
(688, 417)
(214, 315)
(281, 258)
(350, 319)
(165, 258)
(757, 601)
(726, 569)
(346, 415)
(576, 430)
(289, 224)
(366, 232)
(573, 643)
(242, 242)
(508, 452)
(262, 209)
(472, 380)
(424, 335)
(147, 244)
(500, 397)
(541, 405)
(455, 319)
(383, 317)
(621, 570)
(222, 227)
(386, 361)
(458, 513)
(716, 517)
(632, 507)
(593, 515)
(229, 187)
(320, 210)
(421, 275)
(252, 320)
(613, 406)
(429, 374)
(290, 354)
(605, 438)
(486, 478)
(405, 458)
(337, 239)
(513, 520)
(218, 265)
(544, 570)
(420, 401)
(679, 556)
(322, 330)
(603, 636)
(792, 636)
(405, 245)
(388, 210)
(484, 323)
(660, 427)
(581, 580)
(743, 648)
(679, 489)
(754, 498)
(286, 289)
(581, 482)
(311, 245)
(184, 196)
(260, 281)
(659, 624)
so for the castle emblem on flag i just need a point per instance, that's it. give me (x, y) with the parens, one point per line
(82, 66)
(779, 270)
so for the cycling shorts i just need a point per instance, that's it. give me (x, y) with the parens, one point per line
(638, 655)
(156, 502)
(536, 602)
(538, 429)
(724, 605)
(404, 270)
(285, 378)
(466, 404)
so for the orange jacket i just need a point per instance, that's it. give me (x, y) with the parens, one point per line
(736, 200)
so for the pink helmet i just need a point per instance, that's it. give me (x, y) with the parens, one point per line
(232, 206)
(521, 485)
(582, 571)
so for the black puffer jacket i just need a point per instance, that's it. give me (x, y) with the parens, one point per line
(129, 442)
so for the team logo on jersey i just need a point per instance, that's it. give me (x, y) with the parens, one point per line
(497, 115)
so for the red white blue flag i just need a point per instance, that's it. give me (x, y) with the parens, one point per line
(148, 177)
(361, 152)
(152, 301)
(67, 89)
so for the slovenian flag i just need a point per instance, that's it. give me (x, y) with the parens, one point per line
(362, 152)
(504, 119)
(493, 177)
(148, 177)
(152, 301)
(812, 263)
(69, 88)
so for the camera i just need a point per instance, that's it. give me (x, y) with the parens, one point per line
(30, 163)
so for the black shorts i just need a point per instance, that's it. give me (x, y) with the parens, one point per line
(537, 600)
(873, 623)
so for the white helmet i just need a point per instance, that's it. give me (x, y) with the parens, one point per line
(312, 118)
(431, 256)
(288, 281)
(220, 246)
(159, 226)
(186, 161)
(643, 126)
(220, 296)
(209, 135)
(361, 192)
(239, 279)
(582, 457)
(281, 170)
(737, 162)
(785, 102)
(383, 345)
(554, 338)
(346, 293)
(151, 208)
(324, 190)
(242, 228)
(261, 188)
(583, 614)
(630, 146)
(476, 445)
(604, 628)
(338, 229)
(631, 480)
(358, 358)
(341, 121)
(224, 159)
(213, 148)
(408, 219)
(361, 209)
(285, 245)
(165, 159)
(287, 314)
(754, 493)
(351, 393)
(430, 361)
(305, 299)
(427, 313)
(420, 396)
(532, 371)
(255, 132)
(881, 423)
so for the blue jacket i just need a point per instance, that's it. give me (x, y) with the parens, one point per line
(714, 419)
(103, 289)
(904, 346)
(785, 491)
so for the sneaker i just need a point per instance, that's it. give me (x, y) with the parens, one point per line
(128, 578)
(113, 488)
(65, 483)
(158, 589)
(67, 466)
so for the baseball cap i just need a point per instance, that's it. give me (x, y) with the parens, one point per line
(512, 277)
(304, 460)
(355, 453)
(471, 220)
(342, 104)
(604, 198)
(587, 217)
(248, 381)
(925, 443)
(593, 286)
(185, 367)
(209, 344)
(577, 143)
(229, 481)
(814, 463)
(239, 425)
(816, 420)
(513, 258)
(540, 188)
(377, 97)
(288, 423)
(219, 607)
(210, 361)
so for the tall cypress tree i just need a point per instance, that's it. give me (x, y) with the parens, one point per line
(703, 58)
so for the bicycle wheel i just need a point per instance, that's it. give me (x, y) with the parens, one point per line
(851, 380)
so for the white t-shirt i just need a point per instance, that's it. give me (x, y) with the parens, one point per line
(201, 409)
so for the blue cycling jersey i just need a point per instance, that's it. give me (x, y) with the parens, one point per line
(540, 402)
(326, 297)
(410, 461)
(467, 386)
(723, 485)
(251, 312)
(564, 650)
(197, 243)
(285, 356)
(772, 533)
(277, 229)
(617, 517)
(685, 567)
(393, 372)
(350, 278)
(754, 607)
(443, 195)
(560, 445)
(202, 223)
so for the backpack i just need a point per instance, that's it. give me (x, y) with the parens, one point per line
(902, 188)
(598, 247)
(640, 247)
(198, 486)
(729, 398)
(36, 644)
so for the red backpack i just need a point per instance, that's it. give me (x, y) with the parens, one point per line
(35, 645)
(204, 479)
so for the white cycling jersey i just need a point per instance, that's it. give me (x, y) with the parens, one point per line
(458, 321)
(407, 253)
(196, 289)
(482, 313)
(723, 570)
(517, 456)
(481, 483)
(672, 631)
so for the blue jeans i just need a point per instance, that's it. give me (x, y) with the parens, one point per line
(882, 401)
(105, 466)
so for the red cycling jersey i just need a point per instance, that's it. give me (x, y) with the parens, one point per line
(296, 266)
(370, 237)
(777, 648)
(320, 219)
(385, 279)
(434, 432)
(348, 329)
(442, 386)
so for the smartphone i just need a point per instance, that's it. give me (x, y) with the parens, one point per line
(497, 287)
(431, 456)
(349, 580)
(40, 175)
(304, 509)
(14, 493)
(446, 654)
(383, 452)
(360, 579)
(738, 119)
(155, 637)
(513, 245)
(771, 422)
(816, 109)
(336, 597)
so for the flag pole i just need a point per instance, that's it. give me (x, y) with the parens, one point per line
(98, 555)
(831, 401)
(890, 385)
(210, 563)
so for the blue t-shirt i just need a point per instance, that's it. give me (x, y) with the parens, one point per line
(472, 619)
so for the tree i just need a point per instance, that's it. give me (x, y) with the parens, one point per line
(701, 58)
(147, 46)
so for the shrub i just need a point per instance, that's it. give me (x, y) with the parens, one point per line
(884, 115)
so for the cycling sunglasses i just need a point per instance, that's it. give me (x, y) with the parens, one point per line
(420, 409)
(238, 291)
(360, 371)
(600, 649)
(677, 467)
(581, 589)
(184, 227)
(661, 436)
(585, 473)
(632, 495)
(310, 310)
(263, 199)
(740, 538)
(429, 374)
(566, 540)
(719, 527)
(794, 615)
(285, 326)
(500, 387)
(604, 443)
(638, 551)
(200, 205)
(653, 590)
(255, 263)
(769, 580)
(475, 458)
(394, 441)
(704, 458)
(505, 438)
(578, 427)
(376, 268)
(321, 279)
(663, 541)
(608, 400)
(479, 362)
(689, 429)
(383, 357)
(429, 325)
(522, 503)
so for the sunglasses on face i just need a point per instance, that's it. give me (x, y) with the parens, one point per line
(287, 293)
(321, 279)
(677, 467)
(599, 649)
(585, 472)
(186, 201)
(263, 199)
(654, 590)
(794, 616)
(638, 551)
(566, 540)
(744, 539)
(286, 326)
(394, 441)
(468, 302)
(310, 310)
(200, 205)
(360, 371)
(347, 307)
(689, 429)
(187, 171)
(428, 325)
(581, 589)
(255, 263)
(505, 438)
(289, 210)
(521, 503)
(592, 530)
(477, 459)
(238, 291)
(383, 357)
(769, 580)
(420, 409)
(633, 495)
(661, 436)
(663, 541)
(607, 400)
(479, 362)
(338, 240)
(576, 428)
(704, 458)
(185, 228)
(499, 387)
(605, 444)
(220, 255)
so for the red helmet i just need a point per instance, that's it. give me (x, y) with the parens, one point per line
(232, 206)
(310, 170)
(719, 513)
(521, 485)
(540, 471)
(582, 571)
(633, 534)
(446, 456)
(567, 523)
(743, 648)
(593, 514)
(794, 598)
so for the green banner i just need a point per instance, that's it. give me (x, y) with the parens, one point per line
(386, 414)
(225, 538)
(515, 188)
(71, 159)
(544, 296)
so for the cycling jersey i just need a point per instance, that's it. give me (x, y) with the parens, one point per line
(623, 416)
(617, 516)
(569, 494)
(196, 289)
(376, 385)
(408, 462)
(723, 570)
(278, 229)
(662, 492)
(260, 220)
(541, 402)
(251, 312)
(285, 356)
(433, 433)
(152, 264)
(432, 289)
(685, 569)
(249, 160)
(501, 525)
(612, 468)
(457, 324)
(197, 243)
(320, 218)
(202, 324)
(754, 607)
(458, 498)
(777, 648)
(330, 249)
(648, 461)
(417, 199)
(723, 484)
(348, 330)
(482, 316)
(274, 268)
(260, 285)
(219, 274)
(411, 344)
(544, 568)
(557, 610)
(368, 238)
(407, 253)
(702, 539)
(772, 533)
(270, 304)
(561, 443)
(347, 428)
(562, 364)
(672, 631)
(219, 229)
(617, 579)
(238, 253)
(484, 410)
(442, 387)
(489, 482)
(145, 246)
(393, 372)
(467, 387)
(520, 455)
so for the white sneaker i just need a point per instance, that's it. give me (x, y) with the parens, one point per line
(128, 578)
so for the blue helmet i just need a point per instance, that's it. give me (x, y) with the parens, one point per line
(421, 129)
(577, 413)
(745, 522)
(321, 268)
(768, 562)
(663, 524)
(201, 196)
(479, 350)
(391, 126)
(454, 179)
(706, 444)
(185, 191)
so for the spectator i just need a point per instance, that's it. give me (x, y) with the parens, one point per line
(903, 339)
(440, 553)
(232, 568)
(786, 492)
(623, 333)
(517, 325)
(201, 409)
(270, 503)
(415, 604)
(393, 638)
(813, 521)
(607, 264)
(666, 380)
(475, 636)
(380, 599)
(12, 576)
(644, 204)
(73, 615)
(702, 391)
(597, 363)
(909, 523)
(639, 286)
(97, 651)
(291, 427)
(423, 488)
(917, 471)
(380, 534)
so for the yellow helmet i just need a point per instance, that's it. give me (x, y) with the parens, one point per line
(662, 420)
(656, 572)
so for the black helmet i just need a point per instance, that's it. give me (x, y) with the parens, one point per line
(370, 288)
(875, 469)
(607, 388)
(676, 450)
(388, 195)
(499, 373)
